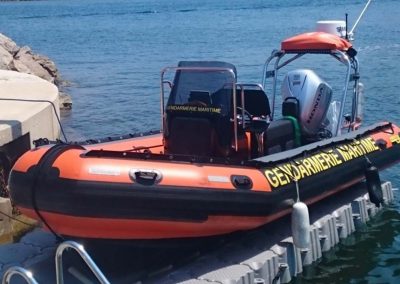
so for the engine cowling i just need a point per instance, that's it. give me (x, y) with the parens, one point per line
(314, 96)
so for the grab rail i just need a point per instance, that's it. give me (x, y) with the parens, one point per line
(84, 255)
(16, 270)
(242, 97)
(342, 57)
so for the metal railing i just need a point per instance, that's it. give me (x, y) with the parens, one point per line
(341, 56)
(28, 276)
(83, 254)
(242, 98)
(15, 270)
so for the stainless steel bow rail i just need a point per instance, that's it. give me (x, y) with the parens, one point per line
(15, 270)
(84, 255)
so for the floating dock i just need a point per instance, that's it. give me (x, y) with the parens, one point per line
(269, 255)
(265, 255)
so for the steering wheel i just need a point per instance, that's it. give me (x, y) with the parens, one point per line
(248, 116)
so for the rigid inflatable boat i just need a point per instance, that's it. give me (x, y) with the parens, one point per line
(228, 157)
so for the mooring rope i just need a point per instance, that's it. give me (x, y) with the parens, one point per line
(41, 101)
(16, 219)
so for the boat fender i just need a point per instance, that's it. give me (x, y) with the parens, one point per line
(374, 185)
(301, 225)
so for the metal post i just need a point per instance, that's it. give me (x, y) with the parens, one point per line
(345, 60)
(162, 101)
(243, 104)
(356, 91)
(274, 83)
(235, 122)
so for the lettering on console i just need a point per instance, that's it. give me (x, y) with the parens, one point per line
(202, 109)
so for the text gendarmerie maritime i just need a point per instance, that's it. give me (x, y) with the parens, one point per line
(194, 108)
(319, 162)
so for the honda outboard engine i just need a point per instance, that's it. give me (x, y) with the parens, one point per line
(314, 96)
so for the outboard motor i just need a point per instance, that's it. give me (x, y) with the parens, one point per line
(314, 96)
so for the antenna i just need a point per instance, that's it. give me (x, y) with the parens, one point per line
(359, 18)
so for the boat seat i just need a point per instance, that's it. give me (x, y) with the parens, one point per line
(279, 136)
(256, 102)
(257, 105)
(291, 107)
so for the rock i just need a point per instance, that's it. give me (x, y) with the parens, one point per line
(8, 44)
(25, 62)
(17, 65)
(5, 58)
(22, 59)
(65, 101)
(46, 63)
(5, 221)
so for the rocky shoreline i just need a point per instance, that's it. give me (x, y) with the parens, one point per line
(24, 60)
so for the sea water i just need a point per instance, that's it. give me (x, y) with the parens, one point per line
(112, 51)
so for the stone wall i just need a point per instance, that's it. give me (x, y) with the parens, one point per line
(24, 60)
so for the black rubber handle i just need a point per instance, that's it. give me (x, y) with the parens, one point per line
(146, 178)
(241, 182)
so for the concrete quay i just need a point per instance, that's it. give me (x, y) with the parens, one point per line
(26, 107)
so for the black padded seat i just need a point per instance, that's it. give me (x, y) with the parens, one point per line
(280, 136)
(256, 105)
(291, 107)
(257, 126)
(256, 102)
